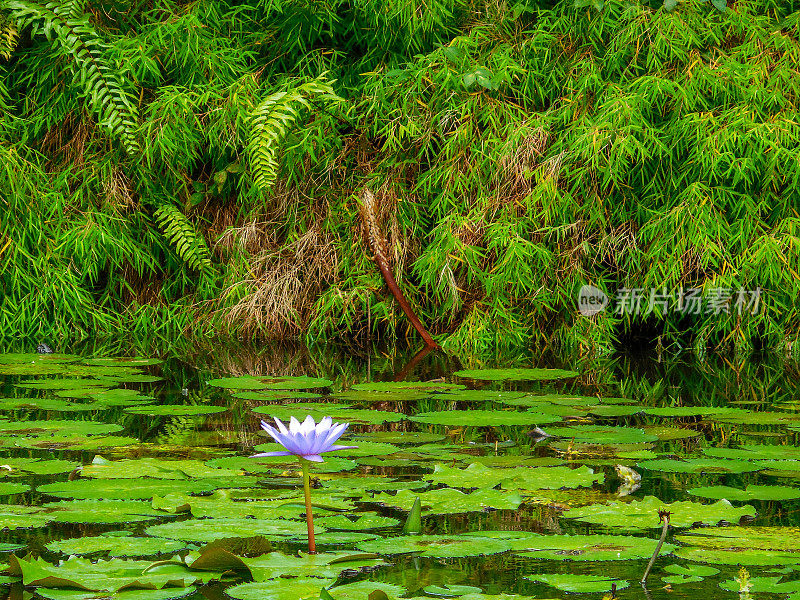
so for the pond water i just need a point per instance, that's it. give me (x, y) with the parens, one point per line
(542, 478)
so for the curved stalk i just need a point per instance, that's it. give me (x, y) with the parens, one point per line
(312, 547)
(664, 515)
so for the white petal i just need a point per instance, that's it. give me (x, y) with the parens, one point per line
(294, 425)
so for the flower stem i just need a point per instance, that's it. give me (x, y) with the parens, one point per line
(312, 546)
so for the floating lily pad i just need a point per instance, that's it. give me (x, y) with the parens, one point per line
(574, 583)
(24, 359)
(276, 395)
(693, 411)
(296, 383)
(363, 523)
(162, 594)
(244, 382)
(53, 404)
(399, 437)
(101, 576)
(643, 514)
(298, 588)
(34, 466)
(62, 383)
(116, 546)
(752, 492)
(450, 501)
(362, 589)
(516, 374)
(319, 410)
(399, 395)
(756, 452)
(101, 511)
(587, 547)
(59, 426)
(209, 530)
(390, 386)
(23, 517)
(153, 467)
(772, 585)
(7, 488)
(600, 434)
(122, 489)
(175, 410)
(691, 570)
(699, 465)
(675, 432)
(530, 478)
(781, 539)
(436, 546)
(124, 361)
(747, 417)
(484, 418)
(450, 591)
(480, 396)
(737, 556)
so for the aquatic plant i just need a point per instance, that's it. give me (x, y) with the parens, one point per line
(307, 441)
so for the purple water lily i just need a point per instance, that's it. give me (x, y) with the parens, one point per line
(307, 439)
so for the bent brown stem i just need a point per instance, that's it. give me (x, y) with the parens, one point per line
(664, 516)
(377, 244)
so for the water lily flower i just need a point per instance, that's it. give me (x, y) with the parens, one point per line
(306, 441)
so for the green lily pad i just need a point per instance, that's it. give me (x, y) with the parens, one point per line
(737, 556)
(362, 589)
(699, 465)
(450, 591)
(756, 452)
(390, 386)
(747, 417)
(772, 585)
(101, 576)
(363, 523)
(296, 383)
(675, 432)
(450, 501)
(276, 395)
(162, 594)
(574, 583)
(339, 413)
(153, 467)
(62, 383)
(587, 547)
(243, 382)
(479, 396)
(59, 426)
(14, 516)
(123, 361)
(24, 359)
(781, 539)
(298, 588)
(691, 570)
(101, 511)
(34, 466)
(175, 410)
(116, 546)
(209, 530)
(400, 395)
(752, 492)
(325, 564)
(516, 374)
(643, 514)
(399, 437)
(53, 404)
(8, 488)
(483, 418)
(693, 411)
(436, 546)
(122, 489)
(530, 478)
(600, 434)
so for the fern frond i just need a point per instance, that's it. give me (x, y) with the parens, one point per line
(271, 120)
(71, 34)
(8, 37)
(188, 243)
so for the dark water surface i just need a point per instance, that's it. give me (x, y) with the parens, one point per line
(764, 390)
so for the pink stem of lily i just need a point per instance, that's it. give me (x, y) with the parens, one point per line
(312, 547)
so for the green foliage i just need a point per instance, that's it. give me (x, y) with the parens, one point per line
(516, 151)
(190, 245)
